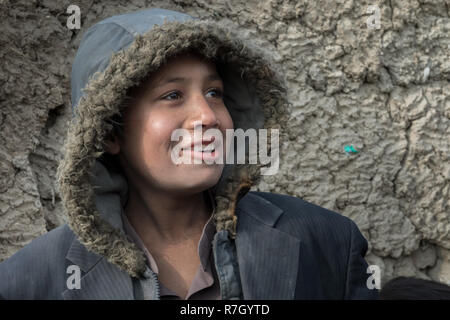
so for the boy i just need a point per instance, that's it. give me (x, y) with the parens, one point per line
(145, 227)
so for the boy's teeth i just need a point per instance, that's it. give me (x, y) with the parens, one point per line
(208, 148)
(204, 149)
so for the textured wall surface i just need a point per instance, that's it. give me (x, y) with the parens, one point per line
(384, 90)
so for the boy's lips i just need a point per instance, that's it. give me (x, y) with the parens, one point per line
(204, 149)
(204, 155)
(204, 145)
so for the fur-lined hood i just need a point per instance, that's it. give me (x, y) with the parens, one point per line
(116, 54)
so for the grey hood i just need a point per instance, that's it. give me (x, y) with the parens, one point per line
(116, 54)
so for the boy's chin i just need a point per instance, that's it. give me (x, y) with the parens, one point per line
(199, 181)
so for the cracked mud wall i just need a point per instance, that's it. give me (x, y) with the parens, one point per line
(385, 91)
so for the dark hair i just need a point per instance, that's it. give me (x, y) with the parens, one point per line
(409, 288)
(117, 120)
(111, 161)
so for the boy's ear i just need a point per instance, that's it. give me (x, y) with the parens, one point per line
(112, 144)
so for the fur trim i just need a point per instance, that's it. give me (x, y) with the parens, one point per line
(102, 100)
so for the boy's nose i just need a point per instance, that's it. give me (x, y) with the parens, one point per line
(203, 112)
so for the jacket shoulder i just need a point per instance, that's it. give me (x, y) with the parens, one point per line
(308, 213)
(322, 231)
(29, 273)
(331, 245)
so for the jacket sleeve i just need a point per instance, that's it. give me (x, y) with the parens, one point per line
(356, 282)
(22, 275)
(38, 270)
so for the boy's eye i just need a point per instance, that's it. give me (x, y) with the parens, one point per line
(174, 95)
(217, 93)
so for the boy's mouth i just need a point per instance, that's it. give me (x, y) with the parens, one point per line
(208, 148)
(203, 149)
(205, 145)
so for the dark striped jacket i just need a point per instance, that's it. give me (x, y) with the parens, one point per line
(287, 248)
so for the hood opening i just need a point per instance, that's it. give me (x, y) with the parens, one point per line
(91, 184)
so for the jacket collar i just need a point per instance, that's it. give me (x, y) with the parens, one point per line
(101, 280)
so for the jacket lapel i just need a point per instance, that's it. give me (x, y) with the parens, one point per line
(101, 281)
(268, 258)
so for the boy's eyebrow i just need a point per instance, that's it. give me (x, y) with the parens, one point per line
(163, 81)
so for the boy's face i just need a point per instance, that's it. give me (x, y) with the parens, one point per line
(184, 91)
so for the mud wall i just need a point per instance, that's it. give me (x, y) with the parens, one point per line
(376, 79)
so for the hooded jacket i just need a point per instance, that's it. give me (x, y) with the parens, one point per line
(266, 246)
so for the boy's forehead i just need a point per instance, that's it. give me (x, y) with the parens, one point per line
(188, 59)
(173, 68)
(176, 65)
